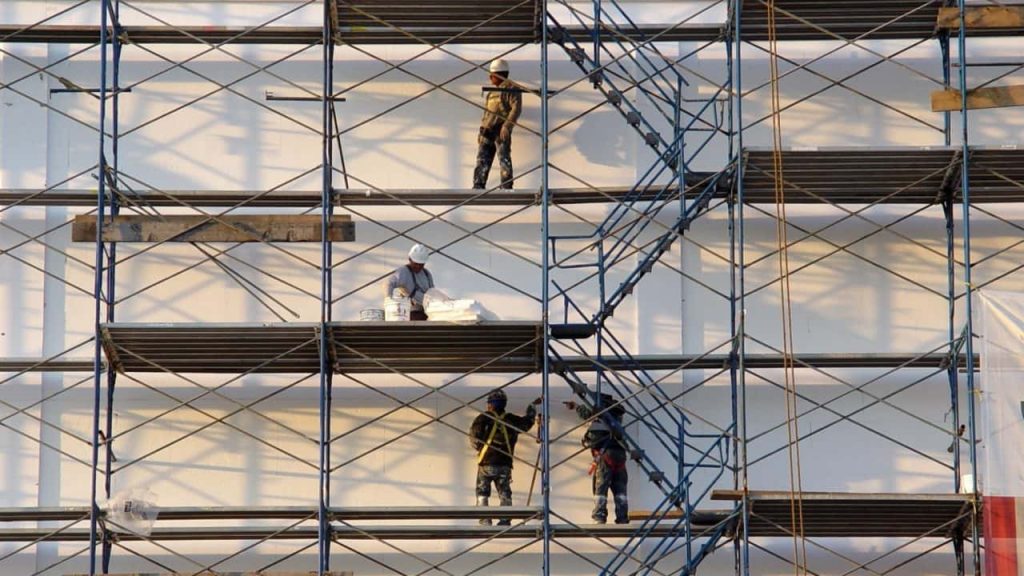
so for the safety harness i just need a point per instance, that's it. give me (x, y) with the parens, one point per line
(416, 285)
(500, 423)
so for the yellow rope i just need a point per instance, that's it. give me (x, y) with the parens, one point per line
(793, 432)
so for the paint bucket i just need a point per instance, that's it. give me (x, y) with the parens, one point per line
(396, 309)
(372, 315)
(966, 483)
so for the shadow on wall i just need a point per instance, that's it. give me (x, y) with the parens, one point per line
(598, 144)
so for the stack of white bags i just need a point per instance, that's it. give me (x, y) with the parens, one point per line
(439, 307)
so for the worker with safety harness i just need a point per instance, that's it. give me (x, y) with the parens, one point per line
(501, 111)
(604, 438)
(412, 280)
(493, 436)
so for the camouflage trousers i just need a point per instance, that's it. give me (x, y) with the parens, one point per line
(501, 477)
(611, 475)
(488, 142)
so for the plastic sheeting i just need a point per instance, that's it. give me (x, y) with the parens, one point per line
(1000, 327)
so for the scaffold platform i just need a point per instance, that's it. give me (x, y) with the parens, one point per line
(844, 514)
(416, 347)
(880, 175)
(825, 515)
(884, 175)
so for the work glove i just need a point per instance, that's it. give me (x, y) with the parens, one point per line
(569, 404)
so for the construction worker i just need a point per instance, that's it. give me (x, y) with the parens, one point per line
(493, 436)
(502, 109)
(604, 439)
(413, 280)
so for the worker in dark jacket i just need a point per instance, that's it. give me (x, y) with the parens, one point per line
(493, 435)
(604, 439)
(501, 110)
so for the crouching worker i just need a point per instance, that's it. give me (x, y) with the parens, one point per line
(493, 435)
(604, 439)
(412, 280)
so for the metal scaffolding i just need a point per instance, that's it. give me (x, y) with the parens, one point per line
(694, 171)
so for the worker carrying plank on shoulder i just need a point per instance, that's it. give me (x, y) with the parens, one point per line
(604, 438)
(501, 110)
(493, 435)
(413, 279)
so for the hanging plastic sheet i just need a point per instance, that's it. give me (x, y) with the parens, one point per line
(1000, 327)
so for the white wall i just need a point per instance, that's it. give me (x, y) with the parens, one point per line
(267, 456)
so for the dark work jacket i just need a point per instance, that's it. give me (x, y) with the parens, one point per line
(605, 432)
(500, 454)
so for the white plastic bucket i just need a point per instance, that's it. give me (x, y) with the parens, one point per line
(966, 483)
(396, 309)
(372, 315)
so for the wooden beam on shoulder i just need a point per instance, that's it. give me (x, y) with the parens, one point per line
(228, 228)
(979, 98)
(978, 17)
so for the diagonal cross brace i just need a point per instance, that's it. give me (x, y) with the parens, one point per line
(646, 265)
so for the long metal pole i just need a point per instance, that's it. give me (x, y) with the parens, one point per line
(947, 126)
(738, 366)
(951, 370)
(545, 232)
(111, 279)
(965, 184)
(326, 370)
(94, 511)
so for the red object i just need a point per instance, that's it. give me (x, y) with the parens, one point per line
(1003, 516)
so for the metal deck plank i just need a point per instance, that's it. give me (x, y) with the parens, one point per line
(358, 532)
(513, 346)
(343, 197)
(70, 513)
(838, 514)
(888, 175)
(310, 35)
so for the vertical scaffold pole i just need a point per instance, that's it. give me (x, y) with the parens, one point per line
(94, 511)
(545, 232)
(596, 34)
(326, 370)
(965, 185)
(951, 370)
(111, 280)
(947, 126)
(737, 366)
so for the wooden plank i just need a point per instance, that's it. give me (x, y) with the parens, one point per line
(979, 98)
(230, 228)
(648, 515)
(982, 17)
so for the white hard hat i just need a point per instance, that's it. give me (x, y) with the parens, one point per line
(498, 65)
(419, 254)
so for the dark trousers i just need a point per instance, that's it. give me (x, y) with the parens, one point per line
(417, 315)
(611, 474)
(501, 477)
(488, 141)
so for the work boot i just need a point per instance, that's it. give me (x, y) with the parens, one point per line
(482, 501)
